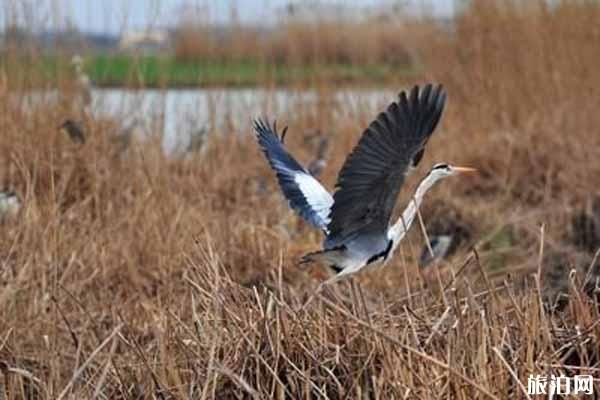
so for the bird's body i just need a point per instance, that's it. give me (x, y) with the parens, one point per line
(356, 219)
(9, 204)
(74, 130)
(437, 249)
(375, 248)
(443, 242)
(318, 164)
(83, 82)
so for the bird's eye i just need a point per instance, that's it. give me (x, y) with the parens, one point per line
(441, 166)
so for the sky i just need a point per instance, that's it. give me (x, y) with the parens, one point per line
(114, 16)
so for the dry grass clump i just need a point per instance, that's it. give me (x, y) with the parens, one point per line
(141, 276)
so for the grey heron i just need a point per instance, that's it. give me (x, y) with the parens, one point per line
(443, 242)
(9, 204)
(356, 219)
(74, 130)
(198, 140)
(318, 164)
(83, 82)
(440, 247)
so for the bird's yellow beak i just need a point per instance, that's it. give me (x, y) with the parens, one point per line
(465, 170)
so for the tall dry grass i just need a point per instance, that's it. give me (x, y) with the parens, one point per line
(297, 42)
(142, 276)
(524, 86)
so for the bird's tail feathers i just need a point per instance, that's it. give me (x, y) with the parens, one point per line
(333, 256)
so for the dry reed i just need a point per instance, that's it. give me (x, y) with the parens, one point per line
(150, 277)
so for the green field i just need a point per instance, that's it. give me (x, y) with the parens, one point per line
(165, 71)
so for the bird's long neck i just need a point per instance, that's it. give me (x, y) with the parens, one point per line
(399, 229)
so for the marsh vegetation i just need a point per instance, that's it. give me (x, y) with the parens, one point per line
(131, 273)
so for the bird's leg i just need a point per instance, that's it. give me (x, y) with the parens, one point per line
(314, 295)
(358, 299)
(424, 231)
(334, 279)
(353, 290)
(363, 302)
(327, 283)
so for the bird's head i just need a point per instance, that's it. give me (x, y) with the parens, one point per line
(439, 171)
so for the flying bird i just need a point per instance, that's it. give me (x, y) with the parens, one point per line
(356, 219)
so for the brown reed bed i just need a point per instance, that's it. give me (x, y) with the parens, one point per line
(143, 276)
(301, 41)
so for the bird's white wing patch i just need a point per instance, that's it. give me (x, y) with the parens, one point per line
(315, 194)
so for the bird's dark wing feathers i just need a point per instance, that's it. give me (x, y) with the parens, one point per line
(305, 194)
(372, 175)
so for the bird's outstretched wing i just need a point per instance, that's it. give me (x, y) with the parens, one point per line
(371, 177)
(305, 194)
